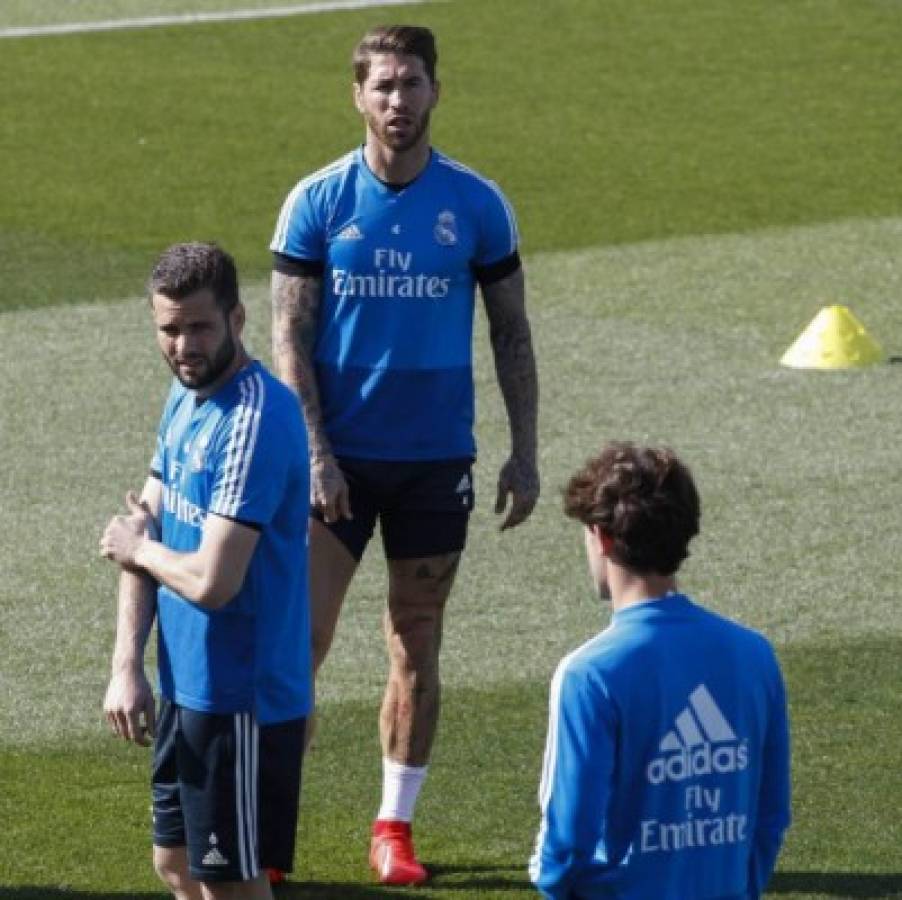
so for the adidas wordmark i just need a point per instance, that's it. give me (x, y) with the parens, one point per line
(689, 749)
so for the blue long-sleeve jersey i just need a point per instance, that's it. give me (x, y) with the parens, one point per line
(666, 770)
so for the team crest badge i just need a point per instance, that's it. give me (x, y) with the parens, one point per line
(445, 230)
(196, 458)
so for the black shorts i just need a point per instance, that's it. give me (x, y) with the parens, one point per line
(227, 789)
(423, 507)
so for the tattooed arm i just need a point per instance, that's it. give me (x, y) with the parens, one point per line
(515, 366)
(295, 310)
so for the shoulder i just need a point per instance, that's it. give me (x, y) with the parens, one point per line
(468, 179)
(754, 648)
(255, 394)
(261, 415)
(176, 394)
(277, 403)
(739, 632)
(591, 662)
(320, 182)
(174, 399)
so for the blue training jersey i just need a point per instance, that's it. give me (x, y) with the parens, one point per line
(666, 770)
(393, 352)
(240, 454)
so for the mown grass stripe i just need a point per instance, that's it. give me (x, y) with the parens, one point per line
(478, 815)
(232, 15)
(654, 341)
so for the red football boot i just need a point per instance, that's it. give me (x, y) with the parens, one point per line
(391, 854)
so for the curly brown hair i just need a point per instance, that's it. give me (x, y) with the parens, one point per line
(183, 269)
(643, 499)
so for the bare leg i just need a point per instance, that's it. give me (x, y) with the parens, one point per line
(171, 864)
(331, 569)
(418, 589)
(258, 889)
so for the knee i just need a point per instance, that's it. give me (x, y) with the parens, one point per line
(414, 641)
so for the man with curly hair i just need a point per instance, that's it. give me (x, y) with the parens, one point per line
(666, 769)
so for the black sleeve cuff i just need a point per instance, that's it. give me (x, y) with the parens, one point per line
(497, 270)
(256, 526)
(291, 265)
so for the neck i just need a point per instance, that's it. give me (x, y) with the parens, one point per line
(396, 166)
(629, 588)
(239, 361)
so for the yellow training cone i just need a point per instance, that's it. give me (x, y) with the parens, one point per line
(835, 339)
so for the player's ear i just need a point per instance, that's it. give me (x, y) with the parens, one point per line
(358, 96)
(436, 91)
(604, 539)
(237, 318)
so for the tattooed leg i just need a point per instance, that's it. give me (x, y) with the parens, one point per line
(418, 589)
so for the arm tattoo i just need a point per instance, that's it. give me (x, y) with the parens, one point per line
(295, 312)
(515, 363)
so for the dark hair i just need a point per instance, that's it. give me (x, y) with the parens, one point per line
(644, 499)
(411, 40)
(184, 269)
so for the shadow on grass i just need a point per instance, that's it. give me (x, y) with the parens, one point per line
(51, 893)
(486, 879)
(470, 879)
(837, 884)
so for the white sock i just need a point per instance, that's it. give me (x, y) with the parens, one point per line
(400, 788)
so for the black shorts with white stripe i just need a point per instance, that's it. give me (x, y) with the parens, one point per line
(423, 506)
(227, 789)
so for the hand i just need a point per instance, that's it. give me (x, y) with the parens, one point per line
(520, 479)
(125, 533)
(129, 706)
(329, 490)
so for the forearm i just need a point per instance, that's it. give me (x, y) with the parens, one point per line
(515, 363)
(210, 576)
(137, 605)
(516, 369)
(576, 786)
(295, 309)
(184, 573)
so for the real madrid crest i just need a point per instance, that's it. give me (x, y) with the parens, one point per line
(445, 230)
(196, 459)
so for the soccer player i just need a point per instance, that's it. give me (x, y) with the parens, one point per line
(666, 769)
(215, 548)
(376, 259)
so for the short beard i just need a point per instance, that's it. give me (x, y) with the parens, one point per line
(225, 356)
(409, 142)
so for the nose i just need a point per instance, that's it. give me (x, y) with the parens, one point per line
(396, 98)
(183, 344)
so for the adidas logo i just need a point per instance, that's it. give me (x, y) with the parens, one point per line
(463, 485)
(214, 858)
(688, 750)
(350, 233)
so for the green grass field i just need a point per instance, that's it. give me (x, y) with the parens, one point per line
(694, 181)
